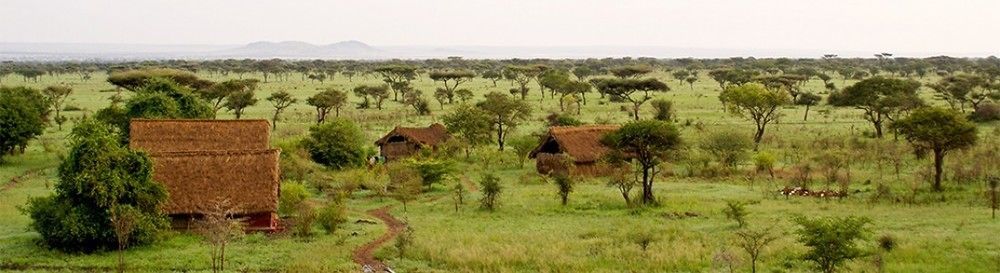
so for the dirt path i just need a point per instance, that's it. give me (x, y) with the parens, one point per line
(365, 255)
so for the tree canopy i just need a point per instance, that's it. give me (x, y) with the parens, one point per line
(939, 131)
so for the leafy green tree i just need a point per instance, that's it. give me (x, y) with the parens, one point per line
(133, 80)
(756, 103)
(523, 146)
(962, 90)
(583, 72)
(338, 144)
(378, 93)
(726, 77)
(329, 98)
(832, 241)
(648, 142)
(505, 114)
(492, 75)
(99, 174)
(662, 109)
(239, 101)
(881, 99)
(753, 243)
(404, 183)
(159, 98)
(23, 112)
(729, 147)
(469, 124)
(491, 189)
(217, 93)
(396, 77)
(565, 186)
(631, 71)
(628, 89)
(939, 131)
(57, 95)
(808, 100)
(522, 75)
(452, 79)
(280, 100)
(432, 171)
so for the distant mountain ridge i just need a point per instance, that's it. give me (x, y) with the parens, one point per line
(358, 50)
(298, 49)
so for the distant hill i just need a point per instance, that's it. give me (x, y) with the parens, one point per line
(297, 49)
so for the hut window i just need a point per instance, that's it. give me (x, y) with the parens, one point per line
(396, 139)
(550, 147)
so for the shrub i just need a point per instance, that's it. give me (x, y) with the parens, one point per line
(490, 186)
(332, 215)
(986, 112)
(292, 195)
(736, 211)
(98, 175)
(728, 147)
(831, 241)
(305, 218)
(405, 183)
(338, 144)
(22, 117)
(663, 109)
(556, 119)
(403, 241)
(764, 162)
(565, 186)
(432, 171)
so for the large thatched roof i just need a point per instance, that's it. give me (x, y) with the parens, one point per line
(204, 161)
(179, 135)
(428, 136)
(582, 143)
(249, 180)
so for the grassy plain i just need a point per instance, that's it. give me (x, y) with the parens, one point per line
(531, 231)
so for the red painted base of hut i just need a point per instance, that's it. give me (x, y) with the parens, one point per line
(257, 222)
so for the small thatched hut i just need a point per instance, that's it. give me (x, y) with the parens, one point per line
(203, 162)
(577, 145)
(405, 141)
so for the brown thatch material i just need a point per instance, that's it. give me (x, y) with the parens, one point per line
(183, 135)
(406, 141)
(582, 143)
(248, 179)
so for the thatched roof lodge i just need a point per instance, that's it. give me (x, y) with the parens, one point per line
(202, 162)
(406, 141)
(579, 144)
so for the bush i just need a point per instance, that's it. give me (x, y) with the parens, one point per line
(565, 186)
(432, 171)
(490, 186)
(332, 215)
(986, 112)
(556, 119)
(293, 194)
(764, 162)
(22, 117)
(337, 144)
(305, 218)
(831, 241)
(729, 148)
(100, 174)
(736, 211)
(663, 109)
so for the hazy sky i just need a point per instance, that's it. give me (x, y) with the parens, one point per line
(862, 25)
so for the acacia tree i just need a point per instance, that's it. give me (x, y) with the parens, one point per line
(962, 90)
(648, 142)
(377, 93)
(218, 227)
(505, 114)
(522, 75)
(397, 77)
(939, 131)
(329, 98)
(880, 98)
(280, 100)
(809, 100)
(754, 102)
(627, 89)
(832, 241)
(57, 97)
(239, 101)
(452, 79)
(493, 75)
(217, 93)
(630, 72)
(753, 243)
(726, 77)
(469, 124)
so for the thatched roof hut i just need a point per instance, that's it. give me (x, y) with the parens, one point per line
(580, 145)
(201, 162)
(406, 141)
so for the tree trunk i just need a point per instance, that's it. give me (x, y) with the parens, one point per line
(500, 136)
(757, 137)
(806, 117)
(647, 186)
(938, 163)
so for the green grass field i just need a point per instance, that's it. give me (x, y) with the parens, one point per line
(531, 231)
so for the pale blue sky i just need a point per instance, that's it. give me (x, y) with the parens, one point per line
(872, 25)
